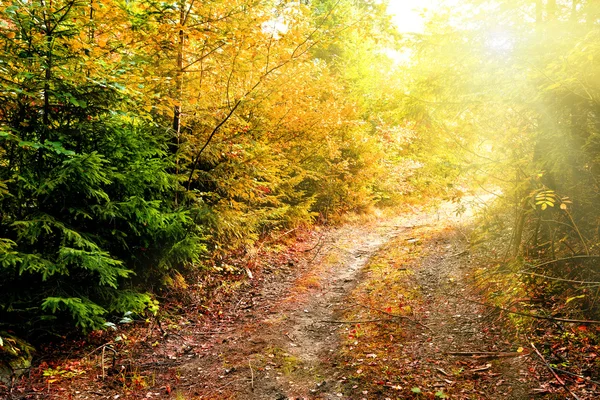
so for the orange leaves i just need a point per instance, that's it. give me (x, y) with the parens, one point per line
(582, 328)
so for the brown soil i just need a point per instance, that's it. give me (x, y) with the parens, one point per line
(292, 350)
(287, 352)
(281, 336)
(450, 357)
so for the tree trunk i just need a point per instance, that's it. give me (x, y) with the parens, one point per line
(179, 79)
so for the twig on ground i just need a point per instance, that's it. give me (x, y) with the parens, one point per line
(370, 321)
(274, 239)
(357, 254)
(251, 375)
(237, 304)
(524, 314)
(481, 369)
(459, 253)
(158, 324)
(560, 381)
(414, 321)
(316, 245)
(586, 378)
(565, 259)
(485, 354)
(558, 279)
(320, 247)
(465, 236)
(229, 383)
(207, 333)
(103, 353)
(96, 349)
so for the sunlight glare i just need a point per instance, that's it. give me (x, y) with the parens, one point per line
(500, 41)
(407, 15)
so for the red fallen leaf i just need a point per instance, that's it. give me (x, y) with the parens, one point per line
(388, 309)
(168, 389)
(582, 328)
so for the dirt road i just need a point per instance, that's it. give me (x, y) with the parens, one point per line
(376, 309)
(297, 347)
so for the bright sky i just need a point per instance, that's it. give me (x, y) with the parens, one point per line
(406, 13)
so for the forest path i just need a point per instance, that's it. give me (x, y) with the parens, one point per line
(294, 346)
(372, 309)
(286, 351)
(439, 341)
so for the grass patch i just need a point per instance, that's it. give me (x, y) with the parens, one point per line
(371, 357)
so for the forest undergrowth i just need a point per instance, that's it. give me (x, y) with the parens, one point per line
(383, 307)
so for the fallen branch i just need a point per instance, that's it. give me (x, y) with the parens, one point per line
(547, 365)
(316, 245)
(98, 348)
(103, 354)
(414, 321)
(481, 369)
(524, 314)
(273, 240)
(560, 381)
(564, 259)
(484, 354)
(251, 375)
(370, 321)
(558, 279)
(459, 253)
(586, 378)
